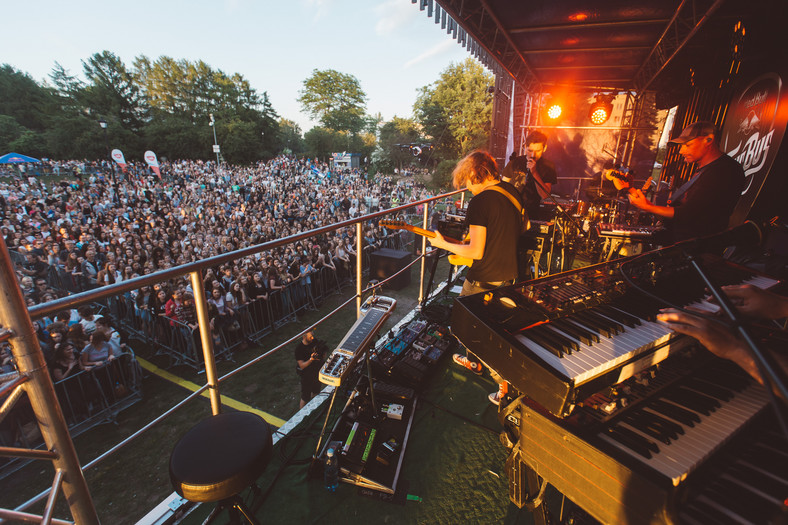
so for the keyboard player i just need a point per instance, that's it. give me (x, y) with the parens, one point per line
(751, 302)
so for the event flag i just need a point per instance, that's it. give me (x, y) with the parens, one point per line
(317, 172)
(153, 162)
(118, 157)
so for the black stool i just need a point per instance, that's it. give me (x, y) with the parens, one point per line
(218, 458)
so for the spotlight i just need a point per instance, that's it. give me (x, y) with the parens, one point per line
(601, 109)
(554, 111)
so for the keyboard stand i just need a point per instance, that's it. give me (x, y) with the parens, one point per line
(359, 340)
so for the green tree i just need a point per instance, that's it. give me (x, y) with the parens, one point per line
(394, 135)
(335, 99)
(22, 99)
(455, 111)
(111, 91)
(25, 108)
(290, 138)
(322, 142)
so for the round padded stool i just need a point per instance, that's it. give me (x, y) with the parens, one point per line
(219, 457)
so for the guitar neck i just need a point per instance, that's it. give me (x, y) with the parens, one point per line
(415, 229)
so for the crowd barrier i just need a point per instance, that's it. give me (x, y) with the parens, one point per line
(87, 398)
(252, 321)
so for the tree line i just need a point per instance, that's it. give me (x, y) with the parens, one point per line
(166, 105)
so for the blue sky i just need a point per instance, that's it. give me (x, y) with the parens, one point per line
(388, 45)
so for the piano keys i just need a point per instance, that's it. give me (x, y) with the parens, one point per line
(628, 232)
(692, 444)
(560, 338)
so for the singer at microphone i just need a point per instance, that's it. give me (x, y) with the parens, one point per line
(532, 174)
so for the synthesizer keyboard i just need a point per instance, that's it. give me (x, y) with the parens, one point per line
(560, 338)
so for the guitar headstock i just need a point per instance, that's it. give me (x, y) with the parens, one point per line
(624, 176)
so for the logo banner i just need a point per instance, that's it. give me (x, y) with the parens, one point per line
(752, 134)
(118, 157)
(153, 162)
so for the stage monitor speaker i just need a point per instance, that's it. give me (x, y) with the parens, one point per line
(386, 262)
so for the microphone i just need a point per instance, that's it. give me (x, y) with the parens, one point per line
(742, 236)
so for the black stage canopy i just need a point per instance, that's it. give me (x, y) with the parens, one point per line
(611, 45)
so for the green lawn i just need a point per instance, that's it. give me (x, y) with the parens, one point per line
(129, 484)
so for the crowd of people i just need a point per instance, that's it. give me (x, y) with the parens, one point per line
(97, 228)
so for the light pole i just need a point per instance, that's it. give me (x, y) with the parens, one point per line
(103, 124)
(215, 144)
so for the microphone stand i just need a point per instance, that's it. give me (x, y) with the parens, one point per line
(564, 213)
(770, 371)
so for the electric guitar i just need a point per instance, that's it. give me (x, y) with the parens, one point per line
(454, 259)
(621, 180)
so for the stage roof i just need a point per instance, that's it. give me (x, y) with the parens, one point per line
(597, 45)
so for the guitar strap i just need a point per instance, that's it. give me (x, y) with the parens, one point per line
(679, 193)
(514, 201)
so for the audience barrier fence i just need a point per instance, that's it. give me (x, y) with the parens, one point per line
(98, 394)
(87, 398)
(251, 321)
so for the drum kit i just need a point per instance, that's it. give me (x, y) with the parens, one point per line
(566, 230)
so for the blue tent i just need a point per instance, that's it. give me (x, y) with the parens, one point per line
(16, 158)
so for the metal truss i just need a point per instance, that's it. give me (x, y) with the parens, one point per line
(690, 16)
(33, 379)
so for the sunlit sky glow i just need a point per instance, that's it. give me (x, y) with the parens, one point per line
(391, 47)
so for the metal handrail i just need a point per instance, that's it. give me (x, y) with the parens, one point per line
(72, 301)
(194, 270)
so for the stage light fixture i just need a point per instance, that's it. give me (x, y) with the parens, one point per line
(554, 111)
(601, 109)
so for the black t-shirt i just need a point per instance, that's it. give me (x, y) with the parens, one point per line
(498, 215)
(304, 352)
(253, 290)
(516, 172)
(707, 205)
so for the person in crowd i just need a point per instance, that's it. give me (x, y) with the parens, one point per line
(87, 319)
(113, 337)
(65, 362)
(107, 275)
(97, 353)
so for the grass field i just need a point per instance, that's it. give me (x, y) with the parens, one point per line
(129, 484)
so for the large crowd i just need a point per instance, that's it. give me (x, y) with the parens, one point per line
(97, 228)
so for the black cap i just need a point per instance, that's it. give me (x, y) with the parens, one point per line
(695, 130)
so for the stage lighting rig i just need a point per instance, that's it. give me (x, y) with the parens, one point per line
(601, 109)
(554, 111)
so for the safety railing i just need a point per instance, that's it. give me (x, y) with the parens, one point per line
(33, 378)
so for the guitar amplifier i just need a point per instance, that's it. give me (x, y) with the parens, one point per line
(386, 262)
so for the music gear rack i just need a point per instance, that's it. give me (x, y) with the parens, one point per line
(633, 423)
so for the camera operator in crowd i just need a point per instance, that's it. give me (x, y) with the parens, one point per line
(309, 358)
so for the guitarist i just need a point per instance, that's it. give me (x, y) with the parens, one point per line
(493, 221)
(494, 224)
(703, 205)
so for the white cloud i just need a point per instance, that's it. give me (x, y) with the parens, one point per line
(394, 15)
(434, 51)
(319, 8)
